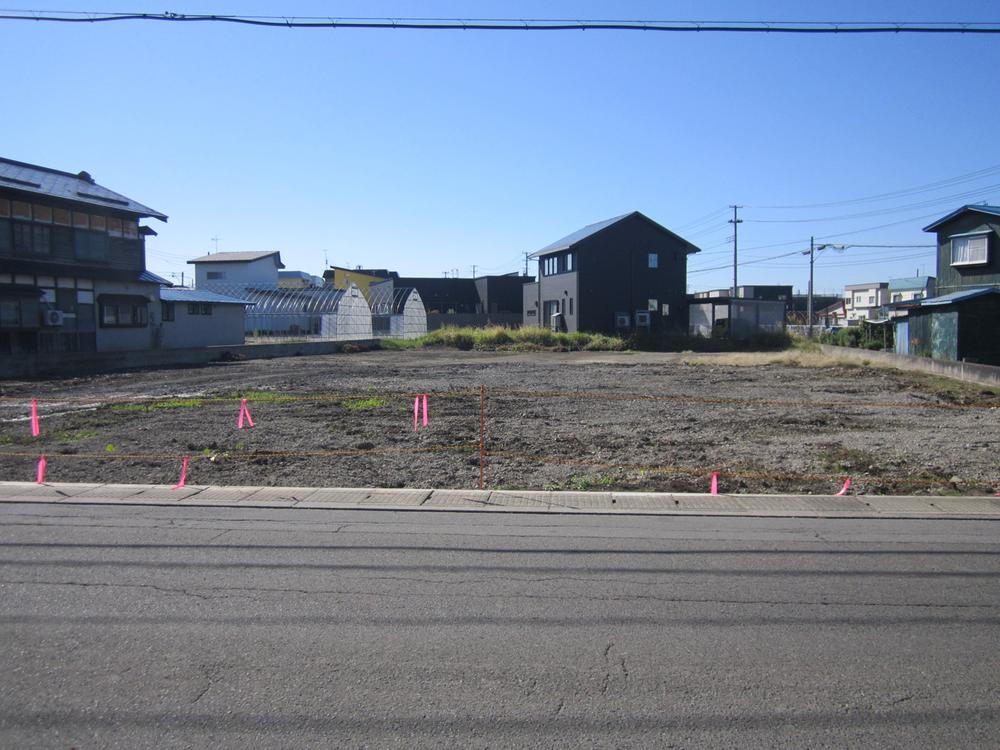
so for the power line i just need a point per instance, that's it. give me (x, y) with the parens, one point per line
(884, 211)
(928, 187)
(513, 24)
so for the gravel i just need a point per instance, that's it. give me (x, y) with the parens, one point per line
(584, 421)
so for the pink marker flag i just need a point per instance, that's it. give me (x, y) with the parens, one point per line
(244, 413)
(40, 474)
(416, 413)
(715, 483)
(184, 474)
(845, 488)
(425, 410)
(34, 418)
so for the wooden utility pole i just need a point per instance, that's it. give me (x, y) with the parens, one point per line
(735, 221)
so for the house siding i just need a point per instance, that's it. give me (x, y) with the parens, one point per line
(959, 278)
(615, 276)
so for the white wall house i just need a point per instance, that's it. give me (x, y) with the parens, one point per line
(197, 318)
(233, 269)
(862, 301)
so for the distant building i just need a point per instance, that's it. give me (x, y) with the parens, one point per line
(486, 300)
(237, 268)
(73, 272)
(866, 301)
(911, 288)
(363, 278)
(615, 276)
(298, 280)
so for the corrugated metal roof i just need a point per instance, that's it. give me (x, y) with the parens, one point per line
(982, 208)
(199, 295)
(909, 282)
(949, 299)
(80, 188)
(237, 257)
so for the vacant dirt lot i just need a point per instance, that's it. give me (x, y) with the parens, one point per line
(556, 421)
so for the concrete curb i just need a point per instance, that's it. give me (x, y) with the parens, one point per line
(508, 501)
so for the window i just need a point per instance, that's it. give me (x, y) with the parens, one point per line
(654, 260)
(969, 250)
(871, 299)
(20, 210)
(90, 245)
(199, 308)
(42, 213)
(216, 275)
(10, 313)
(897, 298)
(98, 223)
(167, 311)
(562, 263)
(22, 237)
(570, 261)
(124, 314)
(61, 216)
(570, 305)
(41, 239)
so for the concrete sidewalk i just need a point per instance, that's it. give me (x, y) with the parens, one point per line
(634, 503)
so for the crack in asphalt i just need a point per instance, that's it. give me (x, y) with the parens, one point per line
(248, 590)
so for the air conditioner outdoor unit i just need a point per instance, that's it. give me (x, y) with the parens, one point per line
(54, 317)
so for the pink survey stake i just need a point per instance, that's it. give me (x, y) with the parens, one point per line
(421, 398)
(40, 474)
(34, 418)
(845, 488)
(244, 414)
(715, 483)
(184, 474)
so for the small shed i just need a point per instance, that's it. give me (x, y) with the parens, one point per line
(960, 326)
(197, 318)
(397, 313)
(736, 318)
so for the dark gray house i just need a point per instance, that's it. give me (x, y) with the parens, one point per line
(73, 272)
(614, 276)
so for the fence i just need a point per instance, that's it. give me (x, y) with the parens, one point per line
(490, 438)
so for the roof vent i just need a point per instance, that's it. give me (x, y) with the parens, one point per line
(85, 176)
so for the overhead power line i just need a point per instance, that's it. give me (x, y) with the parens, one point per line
(928, 187)
(515, 24)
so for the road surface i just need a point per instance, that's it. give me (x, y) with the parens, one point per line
(143, 627)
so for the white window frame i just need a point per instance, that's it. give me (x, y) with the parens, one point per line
(964, 241)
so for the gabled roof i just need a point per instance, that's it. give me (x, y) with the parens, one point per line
(238, 258)
(980, 209)
(910, 282)
(591, 229)
(79, 188)
(150, 277)
(199, 295)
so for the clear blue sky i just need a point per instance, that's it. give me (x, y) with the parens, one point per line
(423, 151)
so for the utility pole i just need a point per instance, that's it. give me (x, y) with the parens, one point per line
(735, 221)
(473, 270)
(525, 254)
(809, 307)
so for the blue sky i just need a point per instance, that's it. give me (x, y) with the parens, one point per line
(425, 151)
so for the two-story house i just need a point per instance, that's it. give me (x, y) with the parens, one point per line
(615, 276)
(73, 272)
(960, 322)
(237, 269)
(865, 301)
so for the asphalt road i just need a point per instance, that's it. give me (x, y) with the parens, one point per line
(140, 627)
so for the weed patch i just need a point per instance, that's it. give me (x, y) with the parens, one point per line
(173, 403)
(365, 403)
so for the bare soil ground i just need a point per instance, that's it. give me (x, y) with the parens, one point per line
(581, 421)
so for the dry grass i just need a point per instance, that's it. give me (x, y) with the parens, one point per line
(789, 358)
